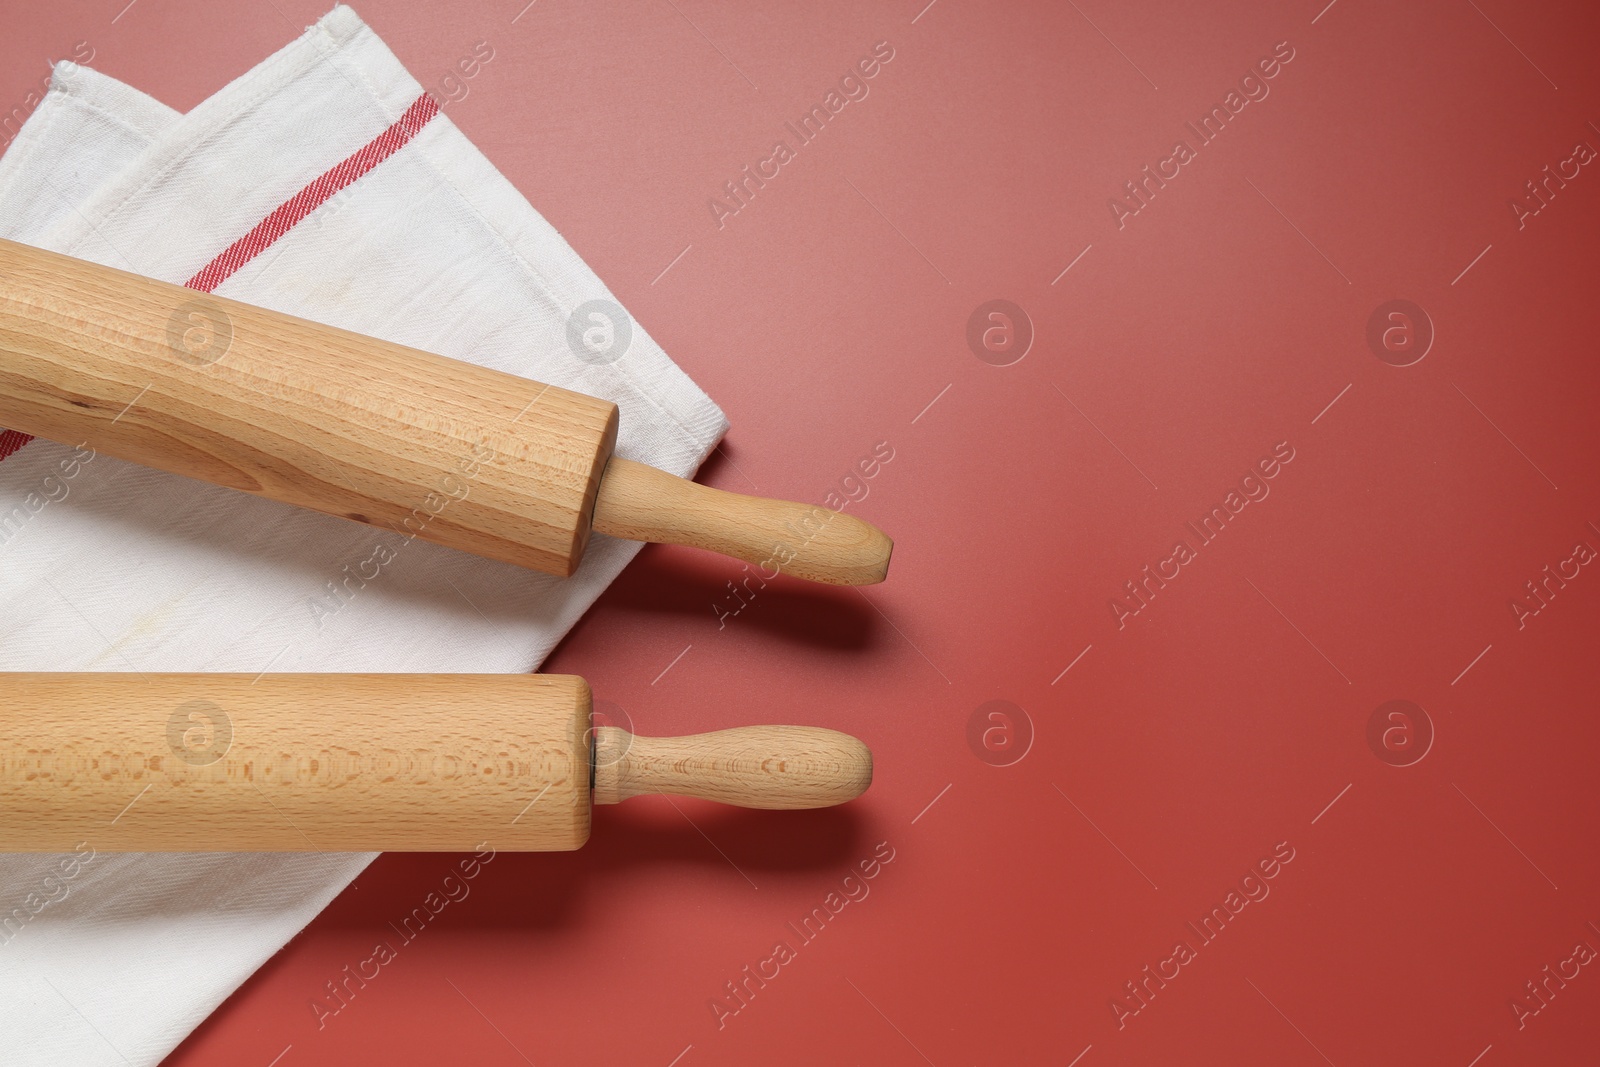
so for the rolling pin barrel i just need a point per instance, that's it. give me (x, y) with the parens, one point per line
(299, 412)
(360, 762)
(348, 425)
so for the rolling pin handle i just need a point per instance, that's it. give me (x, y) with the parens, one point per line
(641, 503)
(774, 767)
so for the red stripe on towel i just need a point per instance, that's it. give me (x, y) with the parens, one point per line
(10, 441)
(307, 200)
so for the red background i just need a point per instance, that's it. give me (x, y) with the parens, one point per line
(1176, 752)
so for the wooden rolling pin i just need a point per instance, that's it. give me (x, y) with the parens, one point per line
(359, 762)
(379, 433)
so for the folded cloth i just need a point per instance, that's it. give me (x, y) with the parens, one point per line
(326, 184)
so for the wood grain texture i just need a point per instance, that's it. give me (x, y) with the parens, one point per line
(781, 767)
(348, 425)
(233, 762)
(638, 501)
(366, 430)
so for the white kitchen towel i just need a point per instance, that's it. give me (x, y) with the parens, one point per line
(324, 183)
